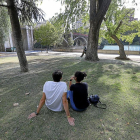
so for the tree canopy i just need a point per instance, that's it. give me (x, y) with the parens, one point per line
(117, 23)
(27, 10)
(48, 34)
(74, 10)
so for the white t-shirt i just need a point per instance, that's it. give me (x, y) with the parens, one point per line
(54, 92)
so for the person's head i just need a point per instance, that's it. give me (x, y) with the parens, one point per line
(57, 75)
(79, 76)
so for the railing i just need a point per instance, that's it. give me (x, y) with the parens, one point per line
(79, 34)
(126, 47)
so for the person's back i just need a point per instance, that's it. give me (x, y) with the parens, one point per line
(80, 95)
(54, 92)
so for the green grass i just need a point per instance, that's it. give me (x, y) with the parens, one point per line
(117, 85)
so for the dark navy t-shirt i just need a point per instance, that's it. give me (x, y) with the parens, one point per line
(80, 95)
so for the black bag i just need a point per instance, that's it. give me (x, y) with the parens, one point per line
(95, 99)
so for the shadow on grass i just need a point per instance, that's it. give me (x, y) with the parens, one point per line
(109, 81)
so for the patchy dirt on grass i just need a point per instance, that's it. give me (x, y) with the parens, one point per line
(116, 82)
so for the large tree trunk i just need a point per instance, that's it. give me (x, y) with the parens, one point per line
(92, 47)
(121, 47)
(16, 30)
(98, 9)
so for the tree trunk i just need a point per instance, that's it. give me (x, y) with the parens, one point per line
(92, 47)
(98, 9)
(2, 48)
(16, 30)
(121, 47)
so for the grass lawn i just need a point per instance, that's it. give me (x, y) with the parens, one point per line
(118, 85)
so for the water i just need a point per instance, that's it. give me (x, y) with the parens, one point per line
(126, 48)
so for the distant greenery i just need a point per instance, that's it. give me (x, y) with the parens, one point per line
(118, 29)
(48, 34)
(70, 41)
(136, 41)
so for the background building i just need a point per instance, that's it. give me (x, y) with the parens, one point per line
(132, 15)
(27, 36)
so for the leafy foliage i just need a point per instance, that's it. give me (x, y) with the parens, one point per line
(135, 31)
(28, 10)
(74, 10)
(117, 22)
(48, 34)
(70, 41)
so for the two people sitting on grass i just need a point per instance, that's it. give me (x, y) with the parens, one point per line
(55, 95)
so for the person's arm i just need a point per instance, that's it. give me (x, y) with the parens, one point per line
(42, 102)
(70, 83)
(66, 108)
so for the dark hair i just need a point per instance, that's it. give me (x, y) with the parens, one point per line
(80, 75)
(57, 75)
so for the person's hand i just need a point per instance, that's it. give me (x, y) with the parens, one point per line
(32, 115)
(72, 78)
(71, 121)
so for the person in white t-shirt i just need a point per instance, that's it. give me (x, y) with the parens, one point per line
(55, 97)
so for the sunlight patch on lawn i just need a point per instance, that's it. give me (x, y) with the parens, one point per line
(9, 60)
(117, 86)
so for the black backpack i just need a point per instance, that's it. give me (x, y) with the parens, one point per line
(95, 99)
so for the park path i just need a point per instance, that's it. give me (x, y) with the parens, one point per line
(103, 57)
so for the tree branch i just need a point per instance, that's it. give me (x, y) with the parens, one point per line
(118, 27)
(121, 22)
(4, 5)
(103, 9)
(27, 10)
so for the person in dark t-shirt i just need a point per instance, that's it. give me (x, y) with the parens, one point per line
(78, 93)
